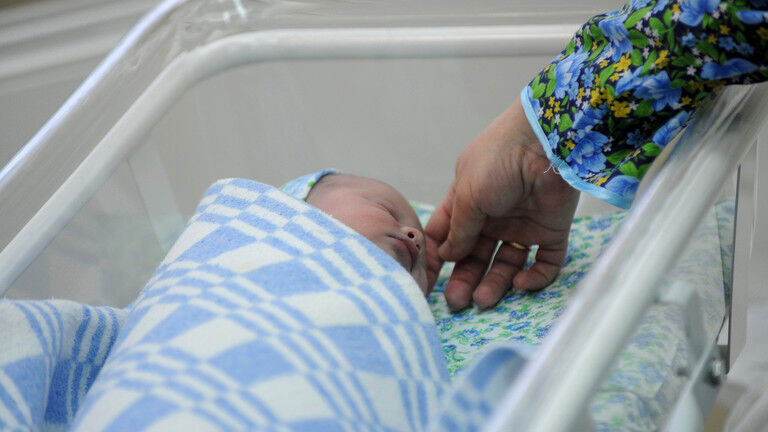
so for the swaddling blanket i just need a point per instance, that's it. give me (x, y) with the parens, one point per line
(267, 314)
(50, 354)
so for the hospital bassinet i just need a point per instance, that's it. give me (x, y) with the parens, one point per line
(201, 90)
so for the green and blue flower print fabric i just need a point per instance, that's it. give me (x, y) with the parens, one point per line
(642, 386)
(629, 80)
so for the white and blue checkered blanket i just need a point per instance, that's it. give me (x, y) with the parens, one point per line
(265, 315)
(50, 354)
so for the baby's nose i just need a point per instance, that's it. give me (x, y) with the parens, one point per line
(414, 234)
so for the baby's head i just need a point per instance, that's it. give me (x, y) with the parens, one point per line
(379, 213)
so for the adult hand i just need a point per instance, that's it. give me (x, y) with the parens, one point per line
(504, 189)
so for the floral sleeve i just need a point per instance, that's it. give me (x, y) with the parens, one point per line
(629, 80)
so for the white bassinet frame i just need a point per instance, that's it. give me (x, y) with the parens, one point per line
(549, 395)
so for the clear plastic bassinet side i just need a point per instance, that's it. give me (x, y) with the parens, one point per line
(64, 163)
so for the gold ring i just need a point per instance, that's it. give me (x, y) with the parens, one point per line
(517, 245)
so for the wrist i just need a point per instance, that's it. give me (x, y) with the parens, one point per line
(525, 135)
(531, 153)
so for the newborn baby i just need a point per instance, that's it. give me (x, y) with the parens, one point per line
(375, 210)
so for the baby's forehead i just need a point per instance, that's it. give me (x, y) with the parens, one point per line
(352, 183)
(345, 188)
(365, 187)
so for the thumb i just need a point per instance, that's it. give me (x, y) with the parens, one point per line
(466, 223)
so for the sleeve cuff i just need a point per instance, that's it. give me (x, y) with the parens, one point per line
(566, 172)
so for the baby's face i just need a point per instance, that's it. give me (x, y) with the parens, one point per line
(379, 213)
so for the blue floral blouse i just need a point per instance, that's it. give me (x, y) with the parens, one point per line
(629, 80)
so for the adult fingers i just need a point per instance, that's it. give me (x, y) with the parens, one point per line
(434, 263)
(439, 224)
(435, 234)
(544, 270)
(507, 263)
(467, 273)
(466, 223)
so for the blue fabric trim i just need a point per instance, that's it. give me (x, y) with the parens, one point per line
(299, 187)
(566, 172)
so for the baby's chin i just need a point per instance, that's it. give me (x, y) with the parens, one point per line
(419, 274)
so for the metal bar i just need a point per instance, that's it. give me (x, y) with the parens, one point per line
(557, 383)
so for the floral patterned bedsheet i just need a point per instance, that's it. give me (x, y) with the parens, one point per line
(650, 373)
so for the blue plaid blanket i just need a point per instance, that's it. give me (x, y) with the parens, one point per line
(50, 354)
(265, 315)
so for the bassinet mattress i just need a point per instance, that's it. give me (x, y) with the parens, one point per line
(649, 375)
